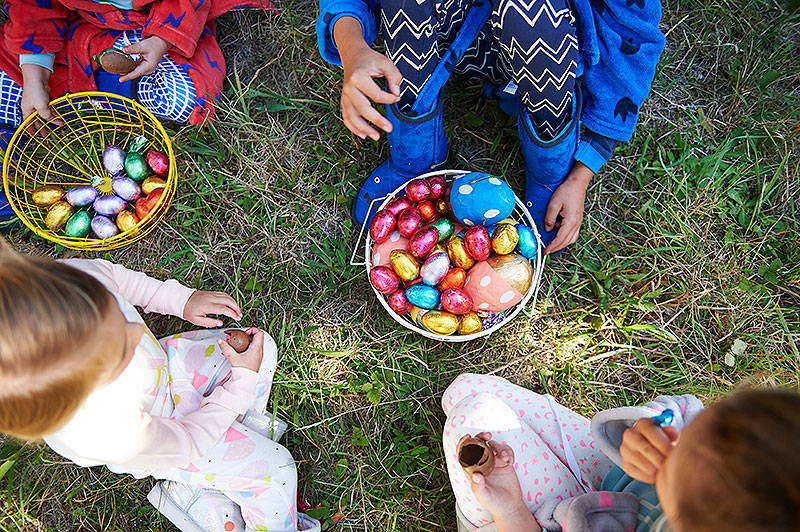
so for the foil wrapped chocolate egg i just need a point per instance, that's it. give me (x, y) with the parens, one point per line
(81, 196)
(505, 239)
(445, 228)
(478, 242)
(109, 205)
(409, 221)
(442, 207)
(152, 183)
(135, 166)
(440, 322)
(57, 215)
(478, 198)
(422, 296)
(145, 204)
(46, 195)
(78, 225)
(113, 160)
(454, 278)
(435, 268)
(103, 227)
(459, 254)
(126, 220)
(470, 324)
(384, 279)
(138, 144)
(418, 190)
(515, 269)
(428, 211)
(438, 248)
(423, 241)
(238, 340)
(456, 301)
(126, 188)
(437, 185)
(398, 205)
(157, 161)
(383, 224)
(527, 244)
(404, 264)
(399, 303)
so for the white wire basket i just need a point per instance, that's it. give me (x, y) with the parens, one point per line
(520, 213)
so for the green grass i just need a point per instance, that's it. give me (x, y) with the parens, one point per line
(690, 245)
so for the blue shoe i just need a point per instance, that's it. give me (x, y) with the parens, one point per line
(547, 164)
(508, 103)
(6, 212)
(416, 145)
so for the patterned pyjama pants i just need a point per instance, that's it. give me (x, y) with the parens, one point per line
(555, 456)
(533, 45)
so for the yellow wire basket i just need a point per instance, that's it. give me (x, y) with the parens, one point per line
(71, 154)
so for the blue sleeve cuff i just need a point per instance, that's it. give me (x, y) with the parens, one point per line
(43, 60)
(594, 150)
(330, 13)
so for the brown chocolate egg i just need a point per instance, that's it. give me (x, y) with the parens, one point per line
(457, 301)
(409, 221)
(418, 190)
(455, 278)
(46, 195)
(428, 211)
(238, 340)
(459, 254)
(404, 264)
(382, 226)
(423, 241)
(470, 324)
(384, 279)
(57, 215)
(475, 456)
(440, 322)
(116, 61)
(398, 205)
(437, 186)
(505, 239)
(515, 269)
(478, 242)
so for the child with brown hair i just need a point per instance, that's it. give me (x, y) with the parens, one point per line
(80, 368)
(732, 466)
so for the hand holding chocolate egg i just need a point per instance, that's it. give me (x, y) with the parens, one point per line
(252, 354)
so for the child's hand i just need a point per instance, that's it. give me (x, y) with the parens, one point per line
(151, 50)
(567, 202)
(36, 94)
(202, 303)
(251, 357)
(644, 448)
(361, 64)
(499, 492)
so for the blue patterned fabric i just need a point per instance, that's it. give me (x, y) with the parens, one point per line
(10, 96)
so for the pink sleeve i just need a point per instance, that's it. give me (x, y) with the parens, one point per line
(162, 297)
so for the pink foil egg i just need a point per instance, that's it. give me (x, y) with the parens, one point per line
(418, 190)
(435, 268)
(384, 280)
(478, 242)
(423, 241)
(109, 205)
(382, 226)
(409, 221)
(399, 302)
(103, 227)
(81, 196)
(126, 188)
(157, 162)
(437, 186)
(457, 301)
(398, 205)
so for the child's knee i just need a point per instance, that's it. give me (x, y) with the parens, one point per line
(468, 384)
(269, 362)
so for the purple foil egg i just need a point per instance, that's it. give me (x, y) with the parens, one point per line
(113, 160)
(81, 196)
(435, 268)
(126, 188)
(109, 205)
(103, 227)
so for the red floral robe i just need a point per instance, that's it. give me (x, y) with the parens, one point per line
(77, 30)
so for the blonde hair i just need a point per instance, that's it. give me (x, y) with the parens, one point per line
(50, 313)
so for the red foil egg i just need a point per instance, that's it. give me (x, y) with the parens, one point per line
(145, 204)
(418, 190)
(409, 221)
(398, 205)
(382, 226)
(478, 242)
(157, 162)
(399, 302)
(454, 278)
(457, 301)
(384, 279)
(437, 186)
(423, 241)
(428, 211)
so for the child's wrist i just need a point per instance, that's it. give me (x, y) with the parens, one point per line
(349, 37)
(580, 173)
(34, 73)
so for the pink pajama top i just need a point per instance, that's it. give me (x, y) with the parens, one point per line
(126, 424)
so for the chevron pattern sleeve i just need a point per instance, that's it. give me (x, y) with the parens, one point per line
(35, 26)
(330, 11)
(629, 45)
(179, 22)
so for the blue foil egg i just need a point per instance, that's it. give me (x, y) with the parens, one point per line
(478, 198)
(126, 188)
(81, 196)
(103, 227)
(527, 242)
(109, 205)
(422, 296)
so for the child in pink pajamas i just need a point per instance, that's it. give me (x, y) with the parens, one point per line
(81, 369)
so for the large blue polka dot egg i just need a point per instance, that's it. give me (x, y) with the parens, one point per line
(478, 198)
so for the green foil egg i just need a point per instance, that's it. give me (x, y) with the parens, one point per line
(445, 228)
(136, 166)
(78, 225)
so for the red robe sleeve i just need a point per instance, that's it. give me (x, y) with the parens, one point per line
(35, 26)
(179, 22)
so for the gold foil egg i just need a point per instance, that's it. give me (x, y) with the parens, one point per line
(127, 220)
(152, 183)
(505, 239)
(514, 269)
(459, 254)
(57, 215)
(405, 265)
(470, 324)
(47, 195)
(440, 322)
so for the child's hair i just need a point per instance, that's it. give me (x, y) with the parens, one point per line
(49, 314)
(745, 470)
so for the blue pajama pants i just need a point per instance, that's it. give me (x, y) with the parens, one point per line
(531, 46)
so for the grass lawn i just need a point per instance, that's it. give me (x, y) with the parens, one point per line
(685, 279)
